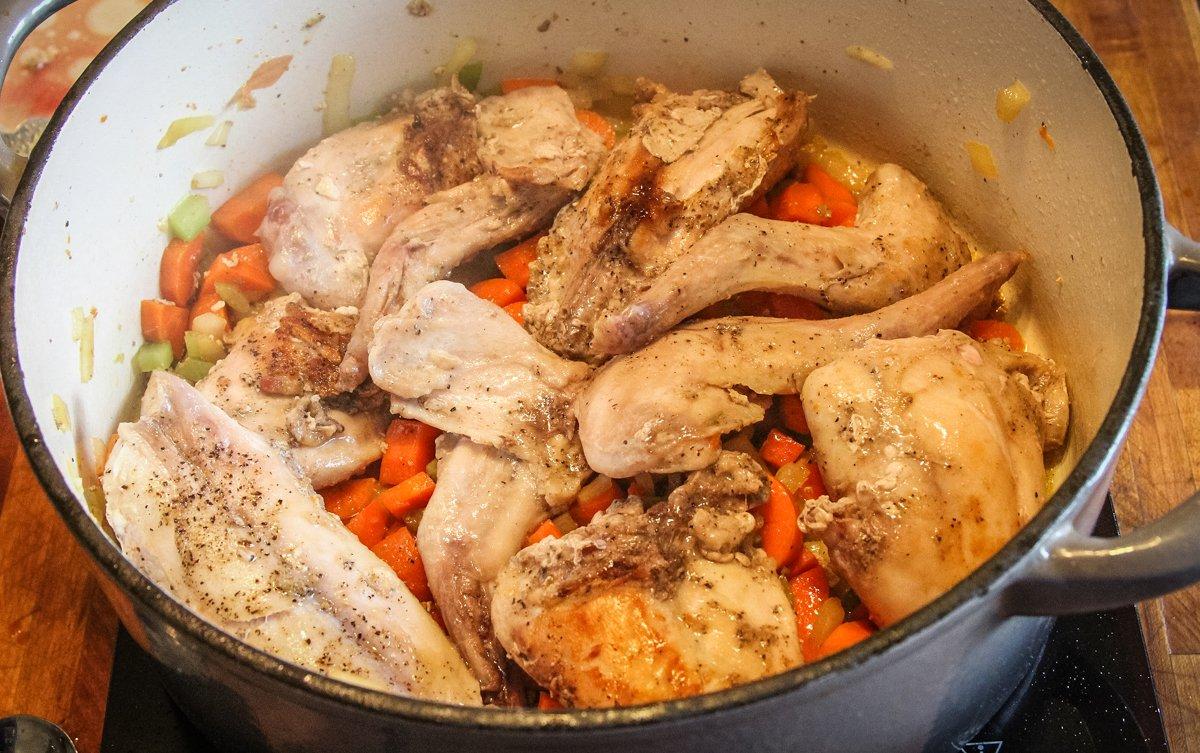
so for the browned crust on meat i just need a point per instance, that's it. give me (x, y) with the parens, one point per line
(301, 356)
(441, 142)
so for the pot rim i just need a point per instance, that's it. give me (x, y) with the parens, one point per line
(1096, 458)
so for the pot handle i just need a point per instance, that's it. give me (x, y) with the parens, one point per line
(17, 19)
(1077, 573)
(1184, 287)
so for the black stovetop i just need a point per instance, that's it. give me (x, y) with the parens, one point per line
(1091, 693)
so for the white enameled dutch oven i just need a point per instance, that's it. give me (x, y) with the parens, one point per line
(82, 232)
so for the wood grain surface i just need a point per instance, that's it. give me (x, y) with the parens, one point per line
(57, 632)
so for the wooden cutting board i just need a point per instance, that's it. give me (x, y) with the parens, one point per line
(57, 632)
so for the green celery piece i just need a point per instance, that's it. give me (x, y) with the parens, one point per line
(470, 74)
(192, 369)
(153, 357)
(431, 469)
(203, 346)
(189, 217)
(234, 298)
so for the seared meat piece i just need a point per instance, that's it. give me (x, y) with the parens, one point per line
(664, 408)
(690, 161)
(645, 606)
(279, 380)
(343, 197)
(455, 361)
(537, 154)
(485, 504)
(211, 512)
(904, 242)
(931, 448)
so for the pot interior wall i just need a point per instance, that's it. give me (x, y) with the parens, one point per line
(91, 238)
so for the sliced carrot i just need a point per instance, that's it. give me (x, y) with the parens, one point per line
(514, 263)
(760, 208)
(510, 85)
(547, 530)
(246, 267)
(753, 303)
(801, 202)
(241, 214)
(841, 214)
(833, 191)
(844, 636)
(209, 303)
(779, 449)
(348, 498)
(787, 306)
(408, 495)
(499, 290)
(399, 551)
(791, 412)
(601, 492)
(410, 447)
(178, 273)
(985, 330)
(371, 523)
(813, 486)
(547, 703)
(810, 589)
(164, 322)
(597, 123)
(780, 537)
(516, 311)
(805, 561)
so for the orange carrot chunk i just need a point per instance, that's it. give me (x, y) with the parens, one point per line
(760, 208)
(371, 523)
(844, 636)
(409, 450)
(547, 703)
(801, 202)
(348, 498)
(164, 322)
(178, 271)
(499, 290)
(810, 589)
(408, 495)
(547, 530)
(246, 267)
(786, 306)
(841, 214)
(986, 330)
(399, 551)
(239, 217)
(791, 413)
(597, 123)
(516, 311)
(780, 536)
(514, 263)
(510, 85)
(779, 449)
(600, 492)
(833, 191)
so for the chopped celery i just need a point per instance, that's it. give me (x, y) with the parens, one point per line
(189, 217)
(182, 127)
(431, 469)
(234, 298)
(208, 179)
(470, 74)
(336, 116)
(152, 357)
(793, 475)
(193, 369)
(83, 332)
(58, 409)
(203, 346)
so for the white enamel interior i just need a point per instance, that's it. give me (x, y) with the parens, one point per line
(91, 236)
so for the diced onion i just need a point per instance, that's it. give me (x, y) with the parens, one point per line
(622, 86)
(189, 217)
(982, 160)
(1011, 100)
(600, 485)
(336, 116)
(793, 475)
(182, 127)
(209, 324)
(565, 523)
(58, 409)
(869, 56)
(588, 63)
(83, 331)
(208, 179)
(220, 134)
